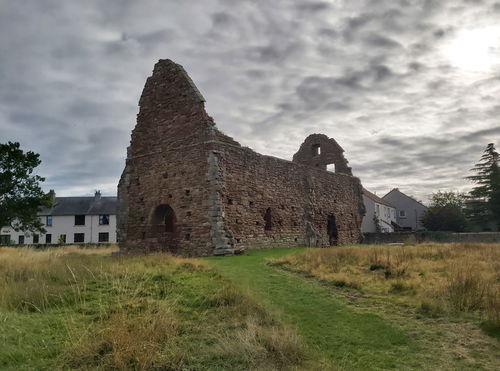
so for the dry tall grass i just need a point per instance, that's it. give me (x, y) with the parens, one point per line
(438, 278)
(147, 312)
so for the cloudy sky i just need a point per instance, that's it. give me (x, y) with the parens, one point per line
(410, 89)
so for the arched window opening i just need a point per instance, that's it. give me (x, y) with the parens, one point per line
(316, 149)
(332, 230)
(268, 219)
(164, 219)
(330, 168)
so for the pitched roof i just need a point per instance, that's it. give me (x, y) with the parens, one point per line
(376, 198)
(404, 194)
(82, 206)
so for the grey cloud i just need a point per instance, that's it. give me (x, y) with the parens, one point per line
(380, 41)
(368, 73)
(313, 6)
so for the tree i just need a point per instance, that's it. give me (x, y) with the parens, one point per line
(21, 196)
(445, 212)
(483, 204)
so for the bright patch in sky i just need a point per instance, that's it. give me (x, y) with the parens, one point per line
(476, 50)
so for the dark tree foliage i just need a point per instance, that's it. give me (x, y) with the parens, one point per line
(483, 205)
(21, 196)
(445, 213)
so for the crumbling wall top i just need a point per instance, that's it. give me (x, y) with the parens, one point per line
(319, 151)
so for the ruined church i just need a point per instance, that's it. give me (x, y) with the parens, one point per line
(189, 189)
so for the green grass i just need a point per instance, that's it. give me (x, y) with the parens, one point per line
(148, 312)
(339, 335)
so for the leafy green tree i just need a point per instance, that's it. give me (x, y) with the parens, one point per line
(21, 196)
(483, 205)
(445, 212)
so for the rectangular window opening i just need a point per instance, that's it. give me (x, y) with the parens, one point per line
(79, 237)
(79, 219)
(103, 219)
(5, 239)
(48, 238)
(103, 237)
(48, 220)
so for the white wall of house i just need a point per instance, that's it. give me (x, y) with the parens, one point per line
(409, 211)
(385, 214)
(65, 225)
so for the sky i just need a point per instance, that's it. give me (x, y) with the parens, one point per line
(410, 89)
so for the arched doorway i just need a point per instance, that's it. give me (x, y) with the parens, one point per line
(163, 227)
(332, 230)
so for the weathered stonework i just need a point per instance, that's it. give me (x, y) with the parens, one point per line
(189, 189)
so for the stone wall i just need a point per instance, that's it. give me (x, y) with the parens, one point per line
(189, 189)
(272, 202)
(430, 236)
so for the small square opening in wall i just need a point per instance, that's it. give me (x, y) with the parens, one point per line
(229, 201)
(188, 237)
(187, 192)
(250, 203)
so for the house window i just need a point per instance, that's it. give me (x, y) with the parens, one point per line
(79, 219)
(103, 219)
(79, 237)
(377, 209)
(48, 238)
(20, 240)
(402, 214)
(36, 238)
(62, 239)
(5, 239)
(48, 220)
(103, 237)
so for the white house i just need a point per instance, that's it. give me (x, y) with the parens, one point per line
(71, 220)
(377, 207)
(409, 210)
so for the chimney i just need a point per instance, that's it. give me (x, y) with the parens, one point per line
(97, 196)
(52, 194)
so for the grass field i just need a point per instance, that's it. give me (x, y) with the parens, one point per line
(85, 309)
(274, 309)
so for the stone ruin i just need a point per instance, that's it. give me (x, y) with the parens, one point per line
(189, 189)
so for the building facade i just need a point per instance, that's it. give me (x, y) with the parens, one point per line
(189, 189)
(408, 210)
(71, 220)
(378, 210)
